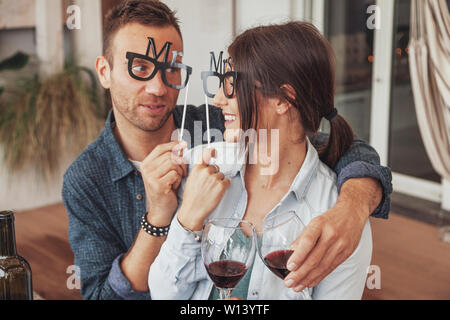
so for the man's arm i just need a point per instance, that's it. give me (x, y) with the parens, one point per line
(96, 246)
(162, 172)
(364, 189)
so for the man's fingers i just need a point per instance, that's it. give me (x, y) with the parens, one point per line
(170, 178)
(164, 148)
(167, 167)
(323, 272)
(313, 260)
(307, 277)
(302, 246)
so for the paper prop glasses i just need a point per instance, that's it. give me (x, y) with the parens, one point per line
(144, 68)
(214, 80)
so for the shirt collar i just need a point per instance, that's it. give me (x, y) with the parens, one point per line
(307, 172)
(120, 166)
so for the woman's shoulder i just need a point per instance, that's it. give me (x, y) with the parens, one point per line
(322, 193)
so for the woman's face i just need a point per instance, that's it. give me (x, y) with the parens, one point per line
(230, 111)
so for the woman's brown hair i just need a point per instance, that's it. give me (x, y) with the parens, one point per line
(295, 54)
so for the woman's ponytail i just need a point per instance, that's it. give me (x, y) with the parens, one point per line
(340, 140)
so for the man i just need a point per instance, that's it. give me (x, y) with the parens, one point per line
(106, 196)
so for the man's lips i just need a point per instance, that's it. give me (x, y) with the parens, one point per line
(153, 108)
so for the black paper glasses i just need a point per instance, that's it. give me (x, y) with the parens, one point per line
(213, 81)
(143, 68)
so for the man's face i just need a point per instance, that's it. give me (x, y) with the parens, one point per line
(145, 104)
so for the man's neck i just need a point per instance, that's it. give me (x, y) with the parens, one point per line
(137, 144)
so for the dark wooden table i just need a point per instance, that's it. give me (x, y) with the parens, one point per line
(41, 237)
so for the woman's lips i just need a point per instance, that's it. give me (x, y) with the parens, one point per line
(229, 118)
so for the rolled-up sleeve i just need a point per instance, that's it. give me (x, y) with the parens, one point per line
(360, 169)
(362, 161)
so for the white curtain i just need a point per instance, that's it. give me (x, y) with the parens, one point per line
(429, 60)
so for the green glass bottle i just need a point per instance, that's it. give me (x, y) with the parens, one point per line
(15, 272)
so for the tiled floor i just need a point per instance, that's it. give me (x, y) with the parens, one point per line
(413, 263)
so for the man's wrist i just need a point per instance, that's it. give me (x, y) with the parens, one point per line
(159, 218)
(361, 195)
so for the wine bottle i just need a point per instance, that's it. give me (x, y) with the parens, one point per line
(15, 272)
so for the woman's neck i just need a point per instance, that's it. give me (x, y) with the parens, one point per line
(278, 168)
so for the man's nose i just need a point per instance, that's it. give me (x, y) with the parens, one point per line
(219, 99)
(156, 85)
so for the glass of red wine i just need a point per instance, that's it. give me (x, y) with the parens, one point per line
(279, 232)
(228, 250)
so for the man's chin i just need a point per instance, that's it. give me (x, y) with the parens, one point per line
(154, 124)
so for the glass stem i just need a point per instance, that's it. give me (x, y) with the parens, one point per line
(225, 294)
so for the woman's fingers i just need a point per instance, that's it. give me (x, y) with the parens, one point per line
(207, 155)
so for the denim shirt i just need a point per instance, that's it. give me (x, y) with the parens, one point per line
(105, 199)
(178, 273)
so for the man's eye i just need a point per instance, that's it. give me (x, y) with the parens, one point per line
(140, 68)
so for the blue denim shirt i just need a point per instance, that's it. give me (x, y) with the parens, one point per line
(105, 198)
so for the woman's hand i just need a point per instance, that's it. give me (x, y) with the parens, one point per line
(205, 188)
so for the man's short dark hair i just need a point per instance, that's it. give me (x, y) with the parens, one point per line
(146, 12)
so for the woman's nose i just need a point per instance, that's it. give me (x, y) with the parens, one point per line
(219, 99)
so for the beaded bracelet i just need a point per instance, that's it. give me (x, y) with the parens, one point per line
(152, 230)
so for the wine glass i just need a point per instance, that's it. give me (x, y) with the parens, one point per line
(228, 250)
(279, 232)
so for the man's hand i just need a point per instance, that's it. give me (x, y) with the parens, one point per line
(162, 172)
(331, 238)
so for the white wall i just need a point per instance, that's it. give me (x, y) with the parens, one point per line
(27, 190)
(210, 29)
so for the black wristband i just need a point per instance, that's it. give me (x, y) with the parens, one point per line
(153, 230)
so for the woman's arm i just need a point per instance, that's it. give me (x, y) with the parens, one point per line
(178, 268)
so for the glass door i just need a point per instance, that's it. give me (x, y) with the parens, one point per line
(374, 88)
(345, 27)
(407, 153)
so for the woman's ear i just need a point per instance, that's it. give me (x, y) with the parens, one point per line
(103, 71)
(283, 104)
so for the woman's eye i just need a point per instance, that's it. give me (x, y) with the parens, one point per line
(172, 70)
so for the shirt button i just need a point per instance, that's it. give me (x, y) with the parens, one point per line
(255, 293)
(139, 197)
(136, 173)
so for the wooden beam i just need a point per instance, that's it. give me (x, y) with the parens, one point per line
(49, 36)
(88, 41)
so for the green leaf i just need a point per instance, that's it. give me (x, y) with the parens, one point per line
(17, 61)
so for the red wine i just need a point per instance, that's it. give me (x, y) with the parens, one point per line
(276, 262)
(226, 274)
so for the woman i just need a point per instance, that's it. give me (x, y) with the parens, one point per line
(284, 80)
